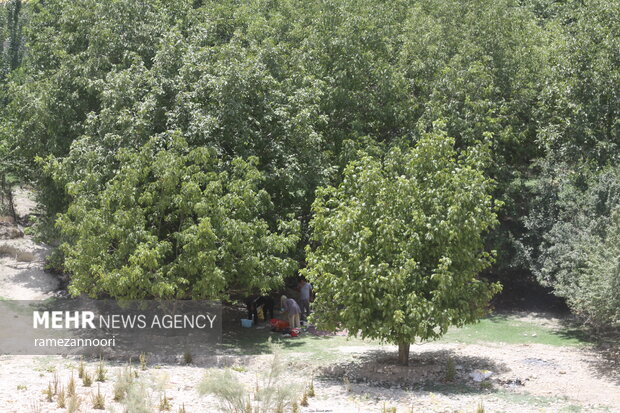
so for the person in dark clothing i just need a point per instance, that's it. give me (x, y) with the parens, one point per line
(252, 304)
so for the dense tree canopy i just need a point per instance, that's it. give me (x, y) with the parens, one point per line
(298, 89)
(175, 222)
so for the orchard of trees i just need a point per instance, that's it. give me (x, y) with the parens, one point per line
(404, 155)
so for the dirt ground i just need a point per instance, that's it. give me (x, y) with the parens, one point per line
(359, 378)
(525, 379)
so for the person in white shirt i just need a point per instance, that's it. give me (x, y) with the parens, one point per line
(305, 288)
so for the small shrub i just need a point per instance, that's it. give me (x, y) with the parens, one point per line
(388, 409)
(182, 409)
(22, 387)
(98, 400)
(81, 369)
(486, 385)
(347, 384)
(124, 380)
(49, 393)
(137, 399)
(142, 359)
(450, 370)
(227, 388)
(304, 399)
(187, 357)
(74, 404)
(55, 383)
(164, 403)
(272, 392)
(311, 389)
(87, 380)
(71, 387)
(279, 408)
(294, 407)
(480, 408)
(60, 400)
(100, 372)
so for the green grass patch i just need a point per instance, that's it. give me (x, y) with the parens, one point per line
(559, 404)
(508, 329)
(497, 329)
(526, 399)
(322, 349)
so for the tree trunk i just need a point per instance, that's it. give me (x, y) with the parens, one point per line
(403, 353)
(6, 196)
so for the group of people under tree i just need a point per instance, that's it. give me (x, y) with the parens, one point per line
(295, 310)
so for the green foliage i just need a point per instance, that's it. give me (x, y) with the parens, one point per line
(576, 216)
(399, 243)
(296, 89)
(13, 18)
(575, 188)
(175, 222)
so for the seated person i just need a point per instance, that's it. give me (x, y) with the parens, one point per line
(252, 303)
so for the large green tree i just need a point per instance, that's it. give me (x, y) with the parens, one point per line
(399, 244)
(575, 183)
(574, 227)
(175, 222)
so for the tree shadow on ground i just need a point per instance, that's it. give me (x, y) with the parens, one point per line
(442, 371)
(256, 340)
(604, 346)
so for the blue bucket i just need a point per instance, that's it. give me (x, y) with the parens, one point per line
(246, 323)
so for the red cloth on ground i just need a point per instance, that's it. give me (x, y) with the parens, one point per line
(278, 324)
